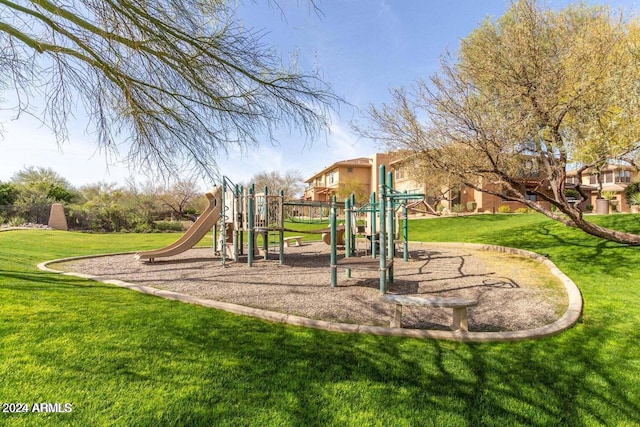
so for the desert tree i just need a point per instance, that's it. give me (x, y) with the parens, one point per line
(440, 185)
(8, 193)
(182, 197)
(41, 185)
(290, 182)
(537, 90)
(354, 187)
(166, 84)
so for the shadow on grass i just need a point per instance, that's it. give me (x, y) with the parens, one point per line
(28, 281)
(301, 377)
(566, 246)
(197, 366)
(139, 360)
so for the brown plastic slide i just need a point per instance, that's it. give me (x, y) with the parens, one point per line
(194, 234)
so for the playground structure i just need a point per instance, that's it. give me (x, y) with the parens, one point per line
(252, 214)
(262, 214)
(380, 230)
(235, 213)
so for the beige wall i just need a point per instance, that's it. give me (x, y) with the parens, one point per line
(359, 174)
(335, 177)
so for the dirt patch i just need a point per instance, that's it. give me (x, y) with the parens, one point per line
(514, 292)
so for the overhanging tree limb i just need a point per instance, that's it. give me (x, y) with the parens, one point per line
(178, 80)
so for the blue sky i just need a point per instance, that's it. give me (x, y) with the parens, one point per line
(362, 47)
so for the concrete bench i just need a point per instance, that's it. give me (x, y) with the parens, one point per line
(289, 240)
(459, 306)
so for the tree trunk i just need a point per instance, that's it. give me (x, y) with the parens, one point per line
(576, 220)
(607, 233)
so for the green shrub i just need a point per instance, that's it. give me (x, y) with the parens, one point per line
(8, 193)
(631, 189)
(522, 210)
(634, 199)
(16, 221)
(504, 209)
(189, 211)
(457, 208)
(571, 193)
(169, 226)
(143, 227)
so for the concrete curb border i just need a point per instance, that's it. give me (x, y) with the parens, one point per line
(570, 317)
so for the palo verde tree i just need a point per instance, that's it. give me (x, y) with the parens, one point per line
(178, 82)
(536, 90)
(40, 185)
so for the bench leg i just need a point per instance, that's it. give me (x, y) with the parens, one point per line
(396, 322)
(460, 321)
(290, 241)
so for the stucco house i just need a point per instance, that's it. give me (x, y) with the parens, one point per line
(354, 175)
(456, 198)
(361, 175)
(615, 179)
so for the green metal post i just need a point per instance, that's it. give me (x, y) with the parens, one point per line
(391, 225)
(234, 222)
(281, 227)
(372, 221)
(347, 227)
(347, 233)
(215, 237)
(265, 239)
(383, 256)
(223, 223)
(250, 224)
(332, 224)
(354, 224)
(241, 196)
(405, 231)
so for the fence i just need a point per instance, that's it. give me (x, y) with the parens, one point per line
(19, 215)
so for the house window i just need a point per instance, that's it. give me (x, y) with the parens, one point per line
(607, 177)
(332, 178)
(572, 180)
(593, 179)
(623, 176)
(399, 174)
(349, 170)
(531, 196)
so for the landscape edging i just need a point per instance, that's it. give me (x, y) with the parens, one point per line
(568, 319)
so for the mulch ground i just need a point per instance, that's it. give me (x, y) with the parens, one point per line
(514, 292)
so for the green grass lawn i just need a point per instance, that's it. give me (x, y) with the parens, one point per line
(296, 228)
(128, 359)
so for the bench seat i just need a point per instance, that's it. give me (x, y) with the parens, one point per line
(458, 304)
(296, 239)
